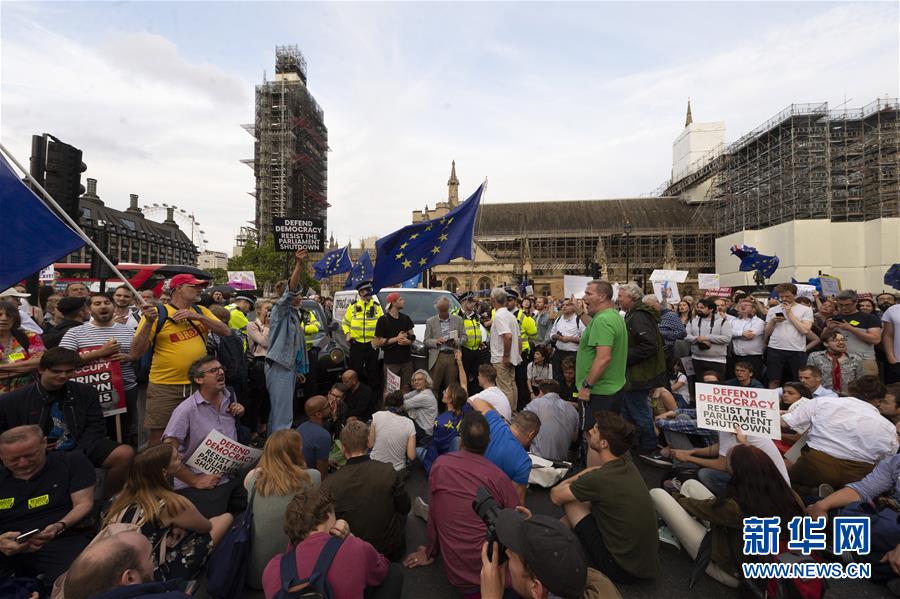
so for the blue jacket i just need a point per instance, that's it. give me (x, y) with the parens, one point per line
(156, 590)
(285, 331)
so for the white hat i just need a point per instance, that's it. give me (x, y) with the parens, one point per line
(11, 292)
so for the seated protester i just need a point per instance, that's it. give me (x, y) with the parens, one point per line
(837, 367)
(392, 436)
(49, 491)
(608, 506)
(445, 435)
(793, 395)
(211, 407)
(756, 489)
(280, 474)
(861, 498)
(568, 389)
(74, 311)
(454, 529)
(490, 392)
(538, 370)
(166, 517)
(527, 541)
(679, 382)
(370, 495)
(713, 462)
(21, 349)
(357, 569)
(744, 376)
(508, 449)
(559, 423)
(421, 405)
(69, 414)
(679, 427)
(117, 567)
(890, 405)
(316, 439)
(360, 402)
(847, 437)
(811, 378)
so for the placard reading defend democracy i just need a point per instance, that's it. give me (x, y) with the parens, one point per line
(292, 234)
(218, 454)
(755, 411)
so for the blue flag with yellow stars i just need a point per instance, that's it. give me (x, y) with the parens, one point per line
(414, 248)
(333, 263)
(362, 271)
(892, 276)
(752, 260)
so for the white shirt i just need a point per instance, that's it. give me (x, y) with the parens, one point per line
(504, 322)
(823, 392)
(497, 399)
(785, 335)
(573, 327)
(748, 347)
(846, 428)
(392, 431)
(28, 322)
(729, 440)
(794, 406)
(892, 315)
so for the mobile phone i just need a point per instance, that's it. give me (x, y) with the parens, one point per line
(25, 536)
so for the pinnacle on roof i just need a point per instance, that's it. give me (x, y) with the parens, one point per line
(688, 119)
(453, 180)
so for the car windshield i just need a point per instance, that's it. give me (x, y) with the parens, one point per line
(420, 305)
(316, 308)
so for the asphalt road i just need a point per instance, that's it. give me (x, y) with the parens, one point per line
(431, 582)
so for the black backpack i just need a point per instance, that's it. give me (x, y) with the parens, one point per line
(314, 587)
(233, 358)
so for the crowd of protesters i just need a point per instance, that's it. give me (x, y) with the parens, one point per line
(92, 503)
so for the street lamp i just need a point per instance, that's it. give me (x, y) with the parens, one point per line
(627, 228)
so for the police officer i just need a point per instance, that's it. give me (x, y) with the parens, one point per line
(473, 354)
(239, 308)
(359, 328)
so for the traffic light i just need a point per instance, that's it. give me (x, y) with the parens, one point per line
(595, 270)
(57, 166)
(99, 269)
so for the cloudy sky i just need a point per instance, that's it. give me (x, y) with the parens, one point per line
(549, 101)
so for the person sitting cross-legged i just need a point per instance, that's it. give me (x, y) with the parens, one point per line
(559, 422)
(608, 505)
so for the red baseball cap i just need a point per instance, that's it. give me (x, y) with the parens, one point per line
(179, 280)
(393, 297)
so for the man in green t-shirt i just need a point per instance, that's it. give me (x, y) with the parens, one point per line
(608, 506)
(602, 354)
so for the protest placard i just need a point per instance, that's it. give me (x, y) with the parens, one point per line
(218, 454)
(47, 275)
(292, 234)
(755, 411)
(831, 286)
(106, 377)
(687, 364)
(679, 276)
(574, 285)
(666, 292)
(242, 280)
(708, 281)
(720, 292)
(391, 381)
(804, 290)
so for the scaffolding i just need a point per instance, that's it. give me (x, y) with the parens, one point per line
(290, 153)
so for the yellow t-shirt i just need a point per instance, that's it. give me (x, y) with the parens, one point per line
(178, 345)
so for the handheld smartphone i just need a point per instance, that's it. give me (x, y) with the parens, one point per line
(25, 536)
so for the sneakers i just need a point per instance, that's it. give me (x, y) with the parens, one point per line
(656, 459)
(667, 536)
(672, 486)
(420, 508)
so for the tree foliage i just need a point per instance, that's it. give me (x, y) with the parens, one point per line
(219, 275)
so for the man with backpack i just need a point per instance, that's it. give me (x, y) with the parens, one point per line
(176, 335)
(565, 333)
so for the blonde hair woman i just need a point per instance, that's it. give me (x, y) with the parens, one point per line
(280, 474)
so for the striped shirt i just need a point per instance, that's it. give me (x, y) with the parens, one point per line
(91, 336)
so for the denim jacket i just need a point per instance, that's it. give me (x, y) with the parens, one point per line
(285, 332)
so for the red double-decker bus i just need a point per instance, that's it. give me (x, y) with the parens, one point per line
(141, 276)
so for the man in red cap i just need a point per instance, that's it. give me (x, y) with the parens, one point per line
(177, 332)
(394, 334)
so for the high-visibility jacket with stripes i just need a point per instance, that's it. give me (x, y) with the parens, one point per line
(238, 320)
(359, 320)
(310, 327)
(527, 328)
(473, 330)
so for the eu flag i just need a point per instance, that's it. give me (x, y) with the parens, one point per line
(33, 236)
(362, 271)
(414, 248)
(333, 263)
(752, 260)
(892, 276)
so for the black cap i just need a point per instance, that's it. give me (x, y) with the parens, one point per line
(364, 285)
(548, 548)
(244, 296)
(468, 295)
(511, 293)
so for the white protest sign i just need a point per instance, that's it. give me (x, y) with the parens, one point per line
(831, 286)
(708, 281)
(679, 276)
(218, 454)
(391, 381)
(574, 285)
(47, 275)
(666, 292)
(755, 411)
(804, 290)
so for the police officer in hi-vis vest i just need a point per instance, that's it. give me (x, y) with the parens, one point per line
(473, 354)
(359, 328)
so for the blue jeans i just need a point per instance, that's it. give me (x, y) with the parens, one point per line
(636, 408)
(714, 480)
(280, 385)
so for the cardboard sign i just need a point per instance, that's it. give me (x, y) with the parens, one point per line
(242, 280)
(831, 286)
(679, 276)
(666, 292)
(47, 275)
(720, 292)
(574, 285)
(708, 281)
(755, 411)
(804, 290)
(292, 234)
(106, 377)
(218, 454)
(391, 381)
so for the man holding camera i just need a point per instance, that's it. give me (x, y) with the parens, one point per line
(454, 527)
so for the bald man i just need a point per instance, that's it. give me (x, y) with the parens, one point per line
(360, 401)
(122, 560)
(316, 439)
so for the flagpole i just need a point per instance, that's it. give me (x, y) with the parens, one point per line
(72, 224)
(472, 261)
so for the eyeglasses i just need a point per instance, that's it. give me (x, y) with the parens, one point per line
(214, 369)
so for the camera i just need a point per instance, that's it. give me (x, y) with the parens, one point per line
(487, 509)
(704, 346)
